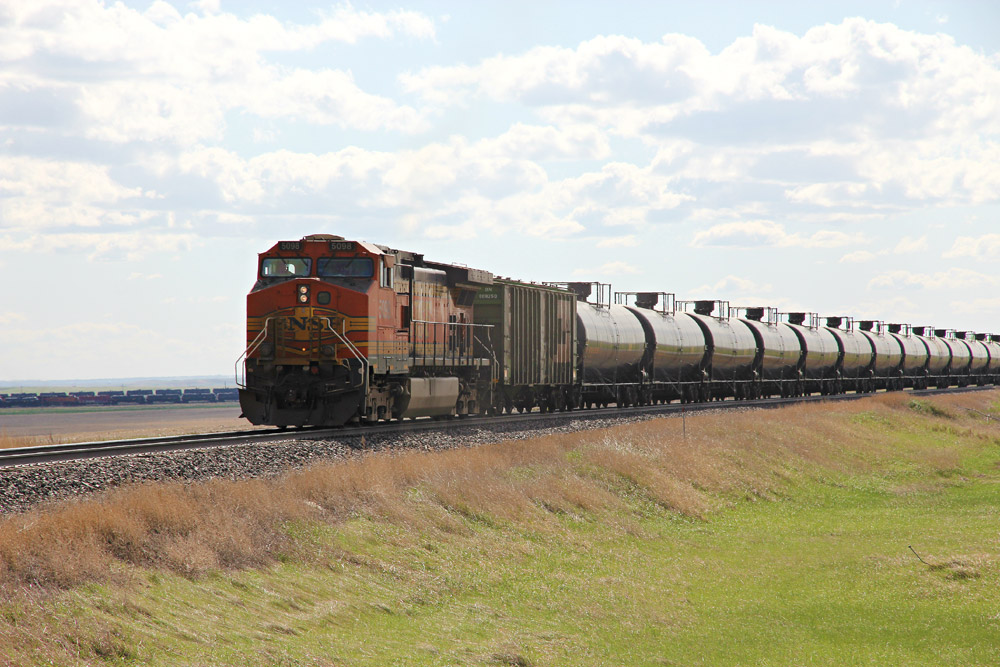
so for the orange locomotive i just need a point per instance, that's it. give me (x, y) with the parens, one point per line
(341, 331)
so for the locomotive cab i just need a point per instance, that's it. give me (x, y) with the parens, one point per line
(309, 330)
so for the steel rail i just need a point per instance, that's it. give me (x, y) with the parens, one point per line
(39, 454)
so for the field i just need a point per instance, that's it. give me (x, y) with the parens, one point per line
(838, 534)
(21, 427)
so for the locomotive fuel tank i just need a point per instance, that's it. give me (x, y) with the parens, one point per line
(888, 350)
(731, 345)
(611, 343)
(821, 350)
(779, 350)
(858, 352)
(677, 344)
(939, 354)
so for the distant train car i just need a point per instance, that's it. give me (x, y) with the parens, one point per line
(779, 362)
(164, 396)
(916, 356)
(226, 394)
(887, 369)
(57, 398)
(611, 350)
(197, 396)
(731, 352)
(820, 353)
(676, 347)
(528, 333)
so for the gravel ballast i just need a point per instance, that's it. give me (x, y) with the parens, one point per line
(27, 486)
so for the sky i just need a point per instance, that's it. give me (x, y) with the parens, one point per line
(840, 158)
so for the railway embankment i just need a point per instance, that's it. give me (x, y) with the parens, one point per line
(849, 533)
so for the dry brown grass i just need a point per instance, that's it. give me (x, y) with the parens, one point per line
(195, 528)
(11, 441)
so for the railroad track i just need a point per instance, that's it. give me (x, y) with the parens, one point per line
(43, 454)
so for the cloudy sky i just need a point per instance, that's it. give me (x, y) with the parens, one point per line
(842, 158)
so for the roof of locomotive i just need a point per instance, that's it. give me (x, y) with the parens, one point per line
(290, 246)
(458, 273)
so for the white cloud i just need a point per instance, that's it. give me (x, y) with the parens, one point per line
(608, 270)
(858, 95)
(951, 279)
(206, 6)
(830, 194)
(858, 257)
(731, 286)
(983, 247)
(100, 246)
(767, 233)
(628, 241)
(160, 76)
(909, 244)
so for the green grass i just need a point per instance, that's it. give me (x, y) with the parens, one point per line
(818, 572)
(822, 577)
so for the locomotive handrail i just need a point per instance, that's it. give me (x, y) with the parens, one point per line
(252, 347)
(493, 354)
(461, 348)
(353, 349)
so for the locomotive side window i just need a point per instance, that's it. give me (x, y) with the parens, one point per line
(279, 267)
(346, 267)
(386, 276)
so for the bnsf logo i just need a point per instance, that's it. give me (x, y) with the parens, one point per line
(302, 323)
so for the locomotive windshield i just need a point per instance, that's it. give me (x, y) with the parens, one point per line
(278, 267)
(346, 267)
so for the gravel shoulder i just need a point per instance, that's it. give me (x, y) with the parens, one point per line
(24, 487)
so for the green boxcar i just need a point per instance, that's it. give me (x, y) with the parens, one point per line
(533, 340)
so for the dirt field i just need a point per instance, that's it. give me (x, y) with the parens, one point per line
(55, 426)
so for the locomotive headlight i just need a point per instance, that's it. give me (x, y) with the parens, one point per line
(303, 294)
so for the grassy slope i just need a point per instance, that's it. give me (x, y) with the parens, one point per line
(769, 538)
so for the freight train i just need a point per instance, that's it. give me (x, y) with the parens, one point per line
(116, 397)
(342, 331)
